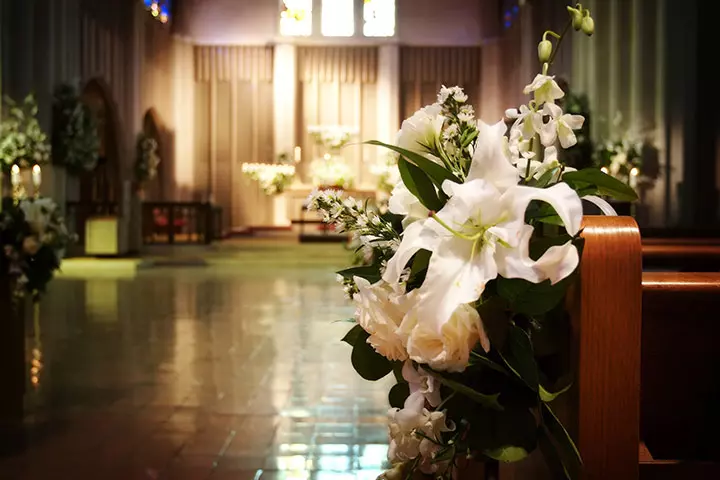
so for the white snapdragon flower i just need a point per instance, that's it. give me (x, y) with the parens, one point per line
(480, 233)
(422, 131)
(421, 382)
(559, 127)
(413, 430)
(545, 88)
(380, 309)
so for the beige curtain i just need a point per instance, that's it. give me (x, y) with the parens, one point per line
(338, 87)
(423, 70)
(233, 125)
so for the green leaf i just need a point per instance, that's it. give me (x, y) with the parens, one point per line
(569, 454)
(418, 270)
(398, 394)
(605, 184)
(419, 184)
(368, 363)
(507, 454)
(437, 173)
(356, 335)
(520, 358)
(548, 397)
(489, 401)
(546, 178)
(532, 298)
(551, 455)
(478, 359)
(371, 273)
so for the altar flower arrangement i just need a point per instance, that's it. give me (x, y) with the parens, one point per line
(146, 158)
(331, 171)
(331, 137)
(462, 299)
(273, 178)
(34, 239)
(22, 140)
(387, 173)
(621, 155)
(75, 140)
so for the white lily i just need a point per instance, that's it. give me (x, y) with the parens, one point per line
(479, 234)
(489, 161)
(422, 130)
(402, 202)
(545, 88)
(560, 126)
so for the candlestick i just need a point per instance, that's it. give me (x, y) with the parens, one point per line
(298, 154)
(36, 179)
(16, 183)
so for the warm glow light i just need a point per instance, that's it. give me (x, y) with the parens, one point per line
(379, 18)
(298, 155)
(338, 18)
(163, 17)
(604, 170)
(296, 18)
(635, 172)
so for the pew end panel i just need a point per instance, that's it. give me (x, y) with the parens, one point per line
(606, 308)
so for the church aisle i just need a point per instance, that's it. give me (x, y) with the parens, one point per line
(229, 371)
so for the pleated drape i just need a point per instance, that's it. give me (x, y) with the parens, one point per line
(233, 125)
(423, 70)
(339, 88)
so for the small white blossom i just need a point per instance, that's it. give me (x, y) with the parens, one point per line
(545, 88)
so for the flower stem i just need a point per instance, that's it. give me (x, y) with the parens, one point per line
(559, 42)
(453, 231)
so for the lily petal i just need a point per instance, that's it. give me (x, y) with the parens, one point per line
(415, 237)
(489, 161)
(604, 206)
(561, 197)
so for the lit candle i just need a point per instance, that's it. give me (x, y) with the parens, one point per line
(36, 178)
(15, 176)
(633, 177)
(297, 154)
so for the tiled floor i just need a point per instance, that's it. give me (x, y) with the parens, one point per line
(230, 371)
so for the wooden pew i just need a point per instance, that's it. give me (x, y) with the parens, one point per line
(686, 250)
(680, 418)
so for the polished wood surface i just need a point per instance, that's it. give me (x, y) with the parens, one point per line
(681, 366)
(607, 322)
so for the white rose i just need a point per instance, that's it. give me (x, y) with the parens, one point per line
(449, 348)
(422, 130)
(402, 202)
(379, 311)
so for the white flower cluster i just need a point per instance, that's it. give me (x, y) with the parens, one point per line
(146, 164)
(22, 140)
(331, 137)
(76, 143)
(331, 171)
(272, 178)
(351, 215)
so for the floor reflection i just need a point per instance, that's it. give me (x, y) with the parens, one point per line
(230, 371)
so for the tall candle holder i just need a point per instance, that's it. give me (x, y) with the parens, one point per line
(18, 190)
(36, 180)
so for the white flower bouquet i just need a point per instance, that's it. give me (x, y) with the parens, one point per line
(331, 171)
(146, 158)
(34, 239)
(463, 300)
(22, 141)
(331, 137)
(75, 140)
(272, 178)
(621, 157)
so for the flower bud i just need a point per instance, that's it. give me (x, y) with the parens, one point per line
(588, 25)
(544, 51)
(577, 17)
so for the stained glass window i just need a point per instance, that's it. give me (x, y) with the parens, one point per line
(338, 18)
(296, 18)
(379, 18)
(160, 9)
(510, 12)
